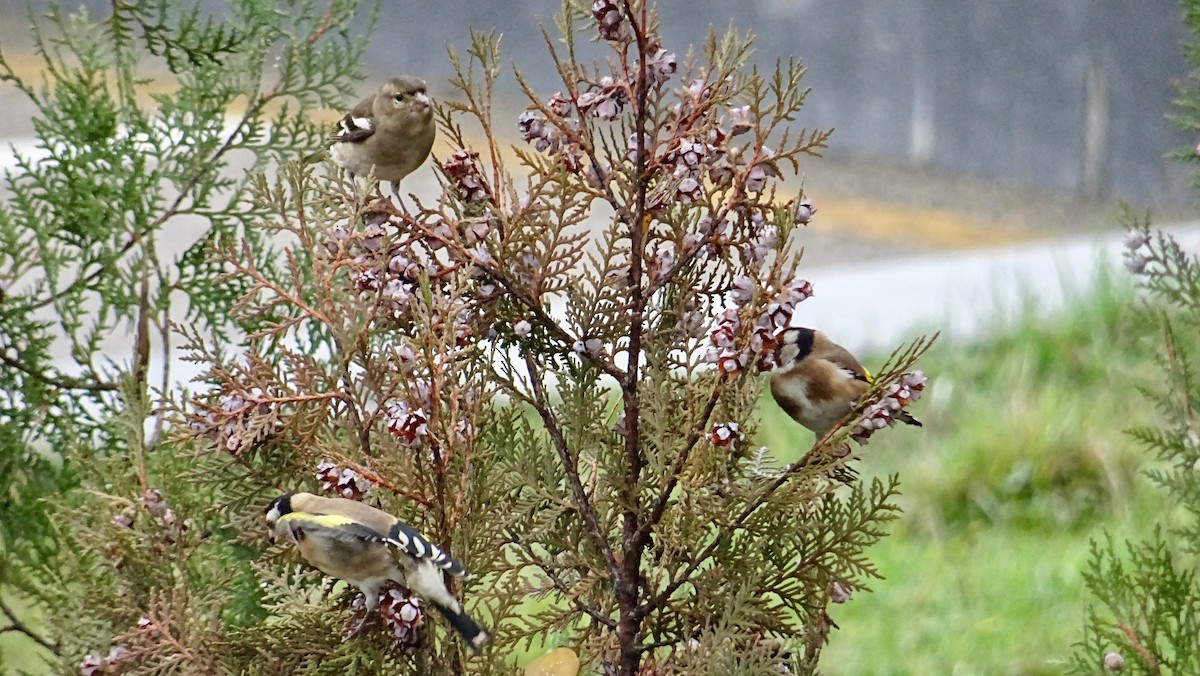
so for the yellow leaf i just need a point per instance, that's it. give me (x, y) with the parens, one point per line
(557, 662)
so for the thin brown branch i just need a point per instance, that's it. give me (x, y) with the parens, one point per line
(1147, 657)
(63, 383)
(322, 27)
(676, 471)
(571, 468)
(362, 431)
(22, 628)
(627, 587)
(561, 586)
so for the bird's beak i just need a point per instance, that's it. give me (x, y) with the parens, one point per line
(423, 99)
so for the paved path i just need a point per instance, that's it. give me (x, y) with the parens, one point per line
(964, 294)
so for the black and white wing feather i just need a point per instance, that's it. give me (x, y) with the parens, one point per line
(353, 129)
(415, 544)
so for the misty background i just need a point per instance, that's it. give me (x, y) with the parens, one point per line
(1069, 97)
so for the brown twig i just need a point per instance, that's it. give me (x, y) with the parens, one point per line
(561, 586)
(626, 585)
(319, 31)
(63, 383)
(676, 472)
(22, 628)
(571, 468)
(1147, 657)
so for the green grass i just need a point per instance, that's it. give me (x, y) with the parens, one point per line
(1023, 459)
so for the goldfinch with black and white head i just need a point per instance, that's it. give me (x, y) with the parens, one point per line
(816, 381)
(368, 547)
(391, 132)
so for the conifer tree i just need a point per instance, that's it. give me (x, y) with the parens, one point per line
(1144, 616)
(549, 369)
(146, 122)
(1145, 612)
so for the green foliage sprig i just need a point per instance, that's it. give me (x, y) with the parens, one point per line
(145, 120)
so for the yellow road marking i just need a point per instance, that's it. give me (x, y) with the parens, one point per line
(933, 228)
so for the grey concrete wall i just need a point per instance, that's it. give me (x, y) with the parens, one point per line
(1065, 95)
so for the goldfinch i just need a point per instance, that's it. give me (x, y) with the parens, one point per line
(816, 381)
(391, 132)
(367, 547)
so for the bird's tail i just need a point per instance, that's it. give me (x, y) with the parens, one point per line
(907, 418)
(475, 635)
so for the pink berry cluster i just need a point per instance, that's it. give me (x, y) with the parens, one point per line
(611, 22)
(170, 526)
(342, 481)
(661, 65)
(1139, 253)
(392, 267)
(749, 233)
(548, 138)
(882, 412)
(724, 434)
(690, 160)
(112, 663)
(129, 653)
(533, 128)
(234, 422)
(605, 100)
(726, 347)
(402, 615)
(839, 592)
(408, 424)
(463, 169)
(409, 420)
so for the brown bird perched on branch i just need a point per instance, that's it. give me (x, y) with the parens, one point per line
(391, 132)
(368, 547)
(816, 381)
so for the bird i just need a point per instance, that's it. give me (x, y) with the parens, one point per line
(817, 382)
(391, 132)
(367, 547)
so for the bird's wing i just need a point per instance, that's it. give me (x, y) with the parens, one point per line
(407, 538)
(332, 526)
(841, 358)
(358, 125)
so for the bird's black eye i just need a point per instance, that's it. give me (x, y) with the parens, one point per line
(399, 98)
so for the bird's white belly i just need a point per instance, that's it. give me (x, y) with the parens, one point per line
(351, 158)
(816, 416)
